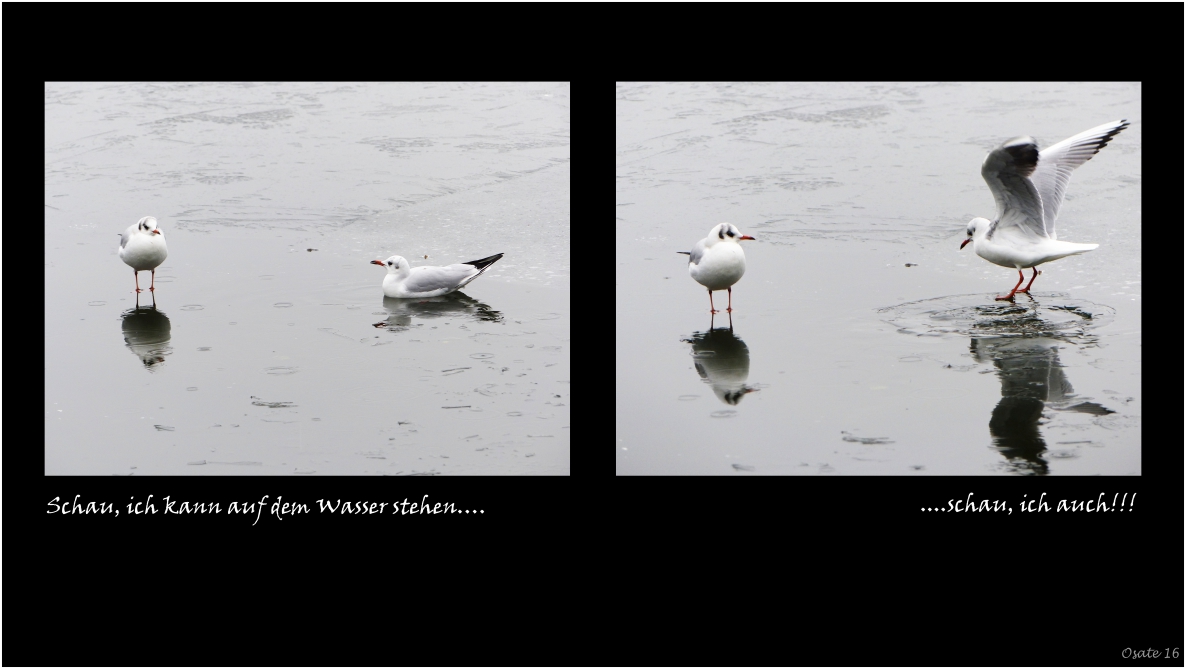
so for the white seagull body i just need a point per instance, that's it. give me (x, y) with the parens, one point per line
(717, 261)
(405, 281)
(1028, 186)
(142, 247)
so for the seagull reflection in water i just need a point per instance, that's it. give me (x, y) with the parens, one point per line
(403, 311)
(1032, 379)
(146, 333)
(722, 360)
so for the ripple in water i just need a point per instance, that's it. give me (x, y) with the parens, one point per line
(1047, 315)
(280, 370)
(95, 304)
(481, 356)
(192, 307)
(282, 305)
(723, 413)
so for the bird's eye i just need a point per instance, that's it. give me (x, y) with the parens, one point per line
(730, 233)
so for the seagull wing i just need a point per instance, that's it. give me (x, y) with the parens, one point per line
(1055, 164)
(1007, 171)
(426, 279)
(124, 237)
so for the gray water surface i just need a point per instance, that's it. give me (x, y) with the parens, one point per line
(863, 340)
(271, 348)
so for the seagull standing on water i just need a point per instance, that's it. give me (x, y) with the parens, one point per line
(405, 281)
(142, 247)
(717, 261)
(1028, 186)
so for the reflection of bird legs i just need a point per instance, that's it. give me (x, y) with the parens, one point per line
(712, 320)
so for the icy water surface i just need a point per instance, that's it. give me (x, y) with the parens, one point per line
(271, 348)
(863, 341)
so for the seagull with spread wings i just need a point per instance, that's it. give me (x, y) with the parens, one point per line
(1028, 186)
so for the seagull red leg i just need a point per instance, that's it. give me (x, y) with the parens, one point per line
(137, 275)
(1027, 286)
(152, 288)
(712, 308)
(730, 309)
(1020, 278)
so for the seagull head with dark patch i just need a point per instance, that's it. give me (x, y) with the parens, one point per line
(393, 264)
(148, 225)
(726, 232)
(976, 225)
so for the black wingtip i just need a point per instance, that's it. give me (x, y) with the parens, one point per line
(1112, 133)
(484, 262)
(687, 253)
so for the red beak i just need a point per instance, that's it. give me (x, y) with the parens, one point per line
(378, 262)
(965, 243)
(746, 237)
(156, 232)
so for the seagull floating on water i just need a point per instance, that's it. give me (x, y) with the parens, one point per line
(717, 261)
(142, 247)
(1028, 186)
(405, 281)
